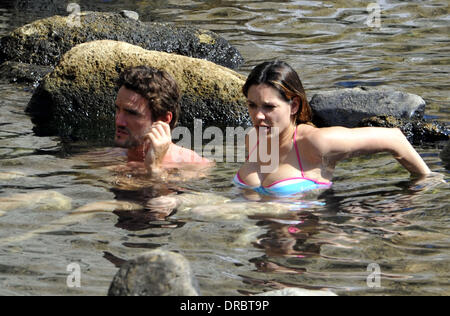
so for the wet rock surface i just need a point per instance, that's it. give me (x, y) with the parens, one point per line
(417, 131)
(155, 273)
(38, 200)
(45, 41)
(348, 107)
(32, 51)
(445, 155)
(77, 99)
(374, 107)
(16, 72)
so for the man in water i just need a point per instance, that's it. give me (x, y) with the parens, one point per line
(147, 110)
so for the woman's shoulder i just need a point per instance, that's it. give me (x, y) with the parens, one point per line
(306, 128)
(306, 132)
(315, 138)
(317, 134)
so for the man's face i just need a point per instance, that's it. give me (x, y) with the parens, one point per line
(133, 118)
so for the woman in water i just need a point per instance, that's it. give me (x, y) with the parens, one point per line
(307, 156)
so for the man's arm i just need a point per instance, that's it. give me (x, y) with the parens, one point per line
(160, 139)
(162, 152)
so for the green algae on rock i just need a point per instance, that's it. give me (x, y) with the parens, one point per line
(77, 99)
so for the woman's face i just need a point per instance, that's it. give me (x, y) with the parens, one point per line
(267, 108)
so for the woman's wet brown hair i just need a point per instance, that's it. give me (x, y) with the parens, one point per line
(286, 81)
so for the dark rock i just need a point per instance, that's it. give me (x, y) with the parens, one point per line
(361, 107)
(35, 5)
(156, 273)
(45, 41)
(445, 155)
(23, 73)
(28, 11)
(348, 107)
(416, 130)
(130, 14)
(77, 99)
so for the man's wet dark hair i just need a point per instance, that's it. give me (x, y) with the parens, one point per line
(158, 87)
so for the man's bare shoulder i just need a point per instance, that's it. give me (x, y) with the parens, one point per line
(179, 154)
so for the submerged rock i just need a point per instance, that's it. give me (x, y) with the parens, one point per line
(155, 273)
(77, 99)
(108, 206)
(293, 291)
(445, 155)
(39, 200)
(12, 175)
(236, 211)
(416, 130)
(45, 41)
(348, 107)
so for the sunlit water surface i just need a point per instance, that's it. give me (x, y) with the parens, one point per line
(374, 214)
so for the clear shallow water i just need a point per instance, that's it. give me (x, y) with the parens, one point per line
(374, 214)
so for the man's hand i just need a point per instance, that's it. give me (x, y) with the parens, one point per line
(159, 140)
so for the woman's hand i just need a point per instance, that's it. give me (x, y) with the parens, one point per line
(429, 181)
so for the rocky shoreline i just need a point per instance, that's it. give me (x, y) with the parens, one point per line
(76, 100)
(377, 107)
(74, 77)
(45, 41)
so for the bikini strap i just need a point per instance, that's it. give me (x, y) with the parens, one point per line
(251, 152)
(298, 152)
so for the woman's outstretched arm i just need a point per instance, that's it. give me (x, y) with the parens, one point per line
(338, 143)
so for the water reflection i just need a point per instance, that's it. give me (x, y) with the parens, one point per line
(342, 238)
(157, 199)
(288, 240)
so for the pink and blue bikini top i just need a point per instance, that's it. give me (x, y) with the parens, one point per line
(286, 187)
